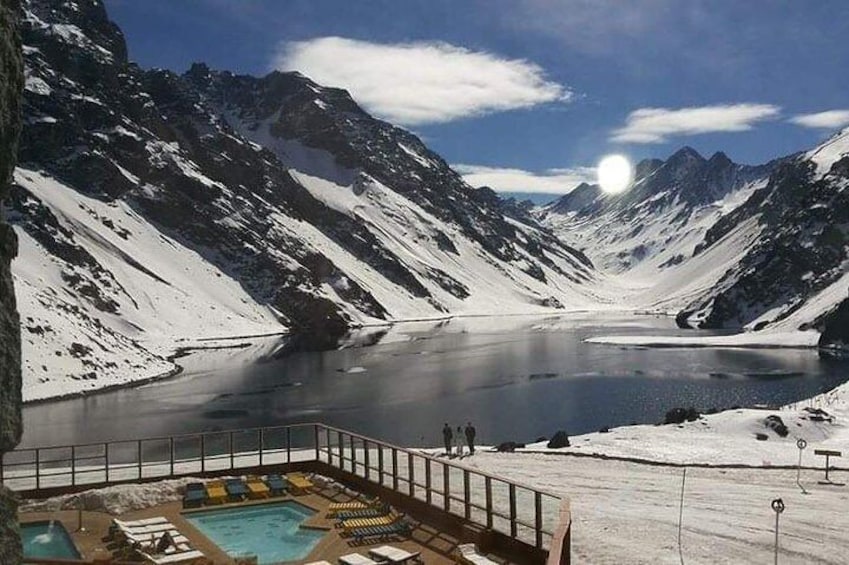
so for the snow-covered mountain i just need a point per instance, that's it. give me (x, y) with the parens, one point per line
(154, 210)
(723, 245)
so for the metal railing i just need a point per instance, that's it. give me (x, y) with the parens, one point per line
(522, 512)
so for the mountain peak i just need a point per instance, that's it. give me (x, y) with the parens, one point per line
(686, 153)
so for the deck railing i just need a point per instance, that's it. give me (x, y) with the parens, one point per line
(520, 511)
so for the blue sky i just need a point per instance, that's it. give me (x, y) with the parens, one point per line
(527, 95)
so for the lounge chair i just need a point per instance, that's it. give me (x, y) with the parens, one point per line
(335, 507)
(257, 488)
(468, 553)
(181, 557)
(236, 489)
(384, 520)
(298, 483)
(399, 528)
(195, 495)
(356, 559)
(216, 492)
(143, 522)
(277, 485)
(394, 554)
(381, 510)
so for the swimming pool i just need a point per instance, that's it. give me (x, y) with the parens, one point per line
(272, 532)
(47, 539)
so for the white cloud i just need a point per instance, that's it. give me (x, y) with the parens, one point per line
(832, 119)
(552, 181)
(422, 82)
(657, 125)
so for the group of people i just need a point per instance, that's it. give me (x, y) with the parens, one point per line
(454, 441)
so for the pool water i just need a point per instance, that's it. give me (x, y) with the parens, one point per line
(47, 539)
(272, 532)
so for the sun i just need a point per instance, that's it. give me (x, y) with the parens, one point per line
(615, 174)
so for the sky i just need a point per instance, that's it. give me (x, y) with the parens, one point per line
(528, 95)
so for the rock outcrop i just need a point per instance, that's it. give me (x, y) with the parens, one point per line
(11, 84)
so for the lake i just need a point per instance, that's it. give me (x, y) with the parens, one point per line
(515, 378)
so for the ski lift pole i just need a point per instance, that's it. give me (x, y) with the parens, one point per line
(778, 508)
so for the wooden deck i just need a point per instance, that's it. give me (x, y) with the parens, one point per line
(435, 547)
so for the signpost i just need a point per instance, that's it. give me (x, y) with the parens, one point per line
(828, 453)
(801, 444)
(778, 508)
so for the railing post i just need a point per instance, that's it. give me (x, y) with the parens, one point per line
(380, 464)
(317, 451)
(446, 487)
(73, 466)
(411, 475)
(353, 457)
(261, 441)
(2, 463)
(467, 494)
(394, 469)
(106, 459)
(202, 453)
(139, 455)
(171, 450)
(230, 441)
(329, 449)
(538, 516)
(512, 510)
(366, 458)
(428, 491)
(289, 444)
(341, 450)
(488, 488)
(37, 470)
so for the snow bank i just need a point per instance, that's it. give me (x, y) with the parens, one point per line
(802, 339)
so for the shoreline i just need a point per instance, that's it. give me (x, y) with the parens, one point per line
(651, 342)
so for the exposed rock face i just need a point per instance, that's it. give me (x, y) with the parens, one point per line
(11, 84)
(150, 204)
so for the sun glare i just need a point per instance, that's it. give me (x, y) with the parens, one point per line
(615, 174)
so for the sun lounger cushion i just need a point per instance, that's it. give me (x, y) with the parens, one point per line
(393, 554)
(174, 557)
(356, 559)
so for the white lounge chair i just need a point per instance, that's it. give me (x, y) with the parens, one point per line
(151, 529)
(173, 558)
(140, 523)
(356, 559)
(394, 554)
(469, 554)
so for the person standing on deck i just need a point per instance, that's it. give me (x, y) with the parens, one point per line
(447, 436)
(459, 439)
(470, 437)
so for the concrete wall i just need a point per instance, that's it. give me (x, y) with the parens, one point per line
(11, 84)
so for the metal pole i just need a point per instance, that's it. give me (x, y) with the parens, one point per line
(681, 516)
(801, 444)
(203, 453)
(139, 453)
(261, 441)
(778, 508)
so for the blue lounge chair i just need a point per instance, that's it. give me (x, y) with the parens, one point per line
(236, 489)
(381, 510)
(401, 527)
(277, 484)
(195, 495)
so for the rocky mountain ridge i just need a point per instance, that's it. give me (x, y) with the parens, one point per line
(155, 209)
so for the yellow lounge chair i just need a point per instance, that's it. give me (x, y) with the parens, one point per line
(334, 507)
(257, 488)
(369, 522)
(298, 483)
(216, 492)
